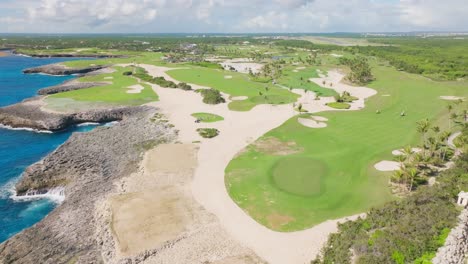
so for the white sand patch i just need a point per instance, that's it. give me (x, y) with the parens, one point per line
(336, 77)
(295, 71)
(451, 98)
(311, 123)
(135, 89)
(239, 98)
(237, 131)
(242, 65)
(108, 78)
(228, 77)
(387, 165)
(385, 95)
(319, 118)
(300, 68)
(336, 55)
(398, 152)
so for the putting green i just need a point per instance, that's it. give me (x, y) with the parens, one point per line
(298, 175)
(277, 191)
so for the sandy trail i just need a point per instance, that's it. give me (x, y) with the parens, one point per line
(238, 130)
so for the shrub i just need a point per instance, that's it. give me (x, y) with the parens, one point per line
(208, 132)
(211, 96)
(184, 86)
(127, 73)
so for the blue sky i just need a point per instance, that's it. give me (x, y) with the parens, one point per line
(231, 16)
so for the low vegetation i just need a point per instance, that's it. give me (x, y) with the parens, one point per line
(207, 117)
(208, 132)
(211, 96)
(339, 105)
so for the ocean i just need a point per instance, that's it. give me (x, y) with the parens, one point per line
(19, 148)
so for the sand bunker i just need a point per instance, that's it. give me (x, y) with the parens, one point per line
(336, 55)
(108, 78)
(387, 165)
(242, 65)
(239, 98)
(227, 77)
(451, 98)
(385, 95)
(300, 68)
(319, 118)
(135, 89)
(398, 152)
(311, 123)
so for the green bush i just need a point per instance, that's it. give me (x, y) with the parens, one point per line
(127, 73)
(211, 96)
(184, 86)
(208, 132)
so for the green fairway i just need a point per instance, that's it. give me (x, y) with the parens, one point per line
(207, 117)
(333, 174)
(116, 92)
(237, 84)
(298, 77)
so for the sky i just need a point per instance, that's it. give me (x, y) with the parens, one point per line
(231, 16)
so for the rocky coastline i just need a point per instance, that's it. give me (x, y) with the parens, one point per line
(69, 86)
(455, 250)
(59, 69)
(86, 167)
(66, 55)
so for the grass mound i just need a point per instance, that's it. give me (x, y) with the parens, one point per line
(207, 117)
(298, 175)
(338, 105)
(208, 132)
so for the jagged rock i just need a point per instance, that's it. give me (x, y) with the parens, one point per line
(455, 250)
(59, 69)
(28, 114)
(86, 165)
(69, 86)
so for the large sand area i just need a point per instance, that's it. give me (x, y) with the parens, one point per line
(207, 188)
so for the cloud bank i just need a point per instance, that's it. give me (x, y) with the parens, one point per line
(160, 16)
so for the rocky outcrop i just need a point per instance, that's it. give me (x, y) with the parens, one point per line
(68, 55)
(69, 86)
(455, 250)
(87, 165)
(59, 69)
(28, 114)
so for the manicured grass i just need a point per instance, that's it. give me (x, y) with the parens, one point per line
(115, 93)
(238, 85)
(338, 105)
(207, 117)
(342, 155)
(299, 78)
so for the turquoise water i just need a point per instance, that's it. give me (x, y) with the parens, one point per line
(19, 149)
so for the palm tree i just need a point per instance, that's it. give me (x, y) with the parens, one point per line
(449, 108)
(411, 174)
(436, 129)
(423, 128)
(453, 117)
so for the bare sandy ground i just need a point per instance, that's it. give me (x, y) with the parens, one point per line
(387, 165)
(135, 89)
(154, 218)
(451, 98)
(239, 98)
(242, 65)
(238, 130)
(397, 152)
(308, 122)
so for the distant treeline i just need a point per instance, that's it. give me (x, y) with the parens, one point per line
(125, 43)
(437, 58)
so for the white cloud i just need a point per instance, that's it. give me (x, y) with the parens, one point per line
(232, 16)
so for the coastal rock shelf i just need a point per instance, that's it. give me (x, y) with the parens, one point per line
(28, 114)
(69, 86)
(58, 69)
(86, 166)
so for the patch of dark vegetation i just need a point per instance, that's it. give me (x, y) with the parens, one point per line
(211, 96)
(208, 132)
(143, 75)
(360, 70)
(437, 58)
